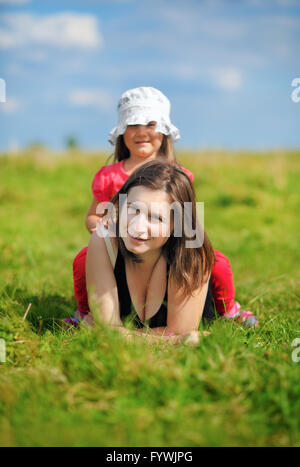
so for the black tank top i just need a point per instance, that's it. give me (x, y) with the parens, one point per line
(127, 311)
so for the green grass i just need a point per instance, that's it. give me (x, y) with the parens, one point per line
(84, 387)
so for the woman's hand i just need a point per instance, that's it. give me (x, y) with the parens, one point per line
(88, 321)
(191, 338)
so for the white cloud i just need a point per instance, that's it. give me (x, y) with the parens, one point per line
(11, 106)
(227, 78)
(197, 33)
(268, 3)
(68, 30)
(189, 21)
(13, 2)
(96, 98)
(224, 78)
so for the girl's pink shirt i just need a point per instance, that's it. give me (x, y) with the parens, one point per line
(110, 178)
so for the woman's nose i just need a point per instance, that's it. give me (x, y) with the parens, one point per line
(139, 225)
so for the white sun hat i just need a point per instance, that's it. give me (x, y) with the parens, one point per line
(140, 106)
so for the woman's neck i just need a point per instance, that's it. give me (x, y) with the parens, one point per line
(149, 260)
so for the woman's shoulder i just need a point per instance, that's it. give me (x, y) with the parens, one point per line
(102, 245)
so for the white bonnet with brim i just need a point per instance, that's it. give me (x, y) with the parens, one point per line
(140, 106)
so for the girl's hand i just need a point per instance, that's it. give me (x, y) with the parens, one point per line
(99, 222)
(98, 212)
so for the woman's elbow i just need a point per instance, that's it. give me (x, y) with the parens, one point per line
(103, 311)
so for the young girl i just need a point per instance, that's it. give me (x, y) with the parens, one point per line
(145, 132)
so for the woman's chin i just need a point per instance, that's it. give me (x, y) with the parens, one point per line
(133, 248)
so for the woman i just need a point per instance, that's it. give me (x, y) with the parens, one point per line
(147, 273)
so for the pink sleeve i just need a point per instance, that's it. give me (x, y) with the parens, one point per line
(189, 174)
(101, 186)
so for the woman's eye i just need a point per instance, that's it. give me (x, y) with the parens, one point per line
(156, 218)
(133, 210)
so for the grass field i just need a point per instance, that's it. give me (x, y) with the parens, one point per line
(63, 387)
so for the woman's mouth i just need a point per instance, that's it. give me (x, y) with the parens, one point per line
(137, 240)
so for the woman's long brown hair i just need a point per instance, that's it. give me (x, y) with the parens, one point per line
(189, 267)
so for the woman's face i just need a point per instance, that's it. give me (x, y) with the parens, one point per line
(143, 140)
(145, 220)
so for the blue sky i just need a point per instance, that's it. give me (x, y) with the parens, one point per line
(226, 66)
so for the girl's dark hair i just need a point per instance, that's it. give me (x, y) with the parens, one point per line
(166, 150)
(189, 267)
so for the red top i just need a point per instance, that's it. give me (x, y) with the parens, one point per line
(110, 178)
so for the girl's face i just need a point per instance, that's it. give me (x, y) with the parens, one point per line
(143, 140)
(145, 222)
